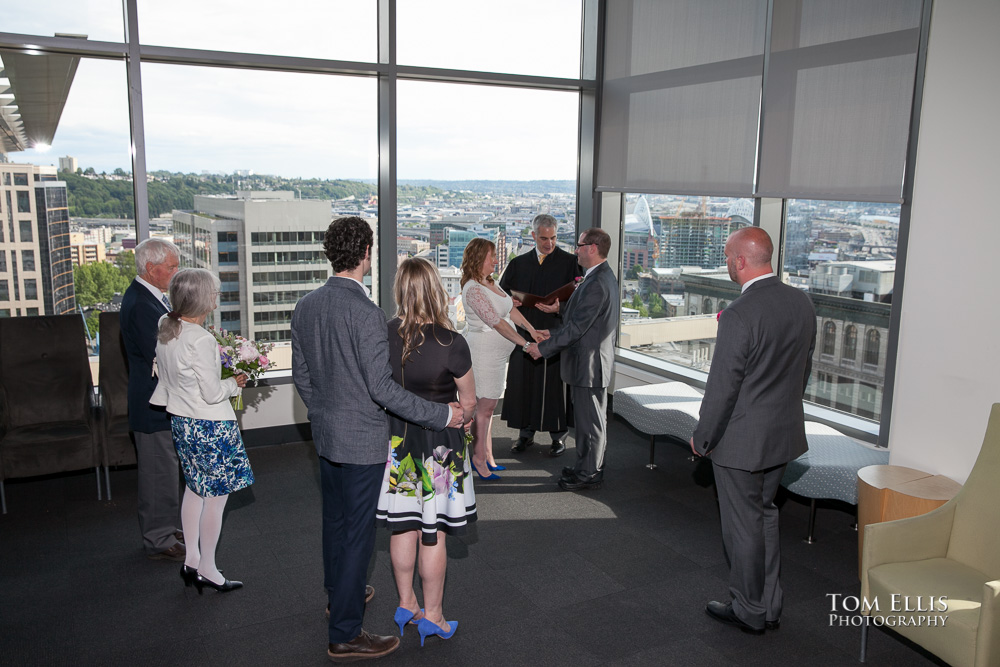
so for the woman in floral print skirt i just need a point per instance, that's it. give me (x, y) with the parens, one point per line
(427, 489)
(203, 422)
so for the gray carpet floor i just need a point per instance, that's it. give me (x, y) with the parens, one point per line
(616, 576)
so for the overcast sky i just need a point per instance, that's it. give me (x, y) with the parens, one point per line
(308, 125)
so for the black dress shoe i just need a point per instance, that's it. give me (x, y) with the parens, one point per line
(772, 625)
(521, 445)
(201, 582)
(362, 647)
(569, 472)
(558, 448)
(724, 614)
(577, 483)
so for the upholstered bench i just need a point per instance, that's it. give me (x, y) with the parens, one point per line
(829, 470)
(667, 408)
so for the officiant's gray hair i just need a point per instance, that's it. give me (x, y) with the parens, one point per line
(154, 251)
(193, 293)
(543, 220)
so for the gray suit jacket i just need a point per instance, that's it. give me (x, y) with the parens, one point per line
(340, 366)
(751, 416)
(587, 336)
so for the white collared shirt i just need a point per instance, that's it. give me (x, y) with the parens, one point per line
(368, 292)
(153, 289)
(752, 281)
(588, 272)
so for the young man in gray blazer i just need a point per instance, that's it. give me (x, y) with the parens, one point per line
(340, 367)
(752, 424)
(587, 342)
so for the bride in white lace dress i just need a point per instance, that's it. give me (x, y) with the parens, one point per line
(490, 317)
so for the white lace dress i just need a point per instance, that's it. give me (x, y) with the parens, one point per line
(484, 309)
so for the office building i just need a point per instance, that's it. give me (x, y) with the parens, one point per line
(36, 270)
(68, 164)
(694, 241)
(263, 271)
(84, 251)
(457, 240)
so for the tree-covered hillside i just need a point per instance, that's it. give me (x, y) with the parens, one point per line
(111, 197)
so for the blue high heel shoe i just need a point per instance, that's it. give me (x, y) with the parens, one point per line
(488, 478)
(426, 629)
(404, 616)
(493, 467)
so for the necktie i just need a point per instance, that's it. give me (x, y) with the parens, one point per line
(166, 301)
(541, 258)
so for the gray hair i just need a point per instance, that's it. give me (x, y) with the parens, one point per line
(154, 251)
(192, 294)
(543, 220)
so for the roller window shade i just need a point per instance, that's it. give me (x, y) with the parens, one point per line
(687, 108)
(681, 96)
(837, 99)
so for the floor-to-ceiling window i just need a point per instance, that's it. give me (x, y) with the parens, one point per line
(797, 119)
(242, 131)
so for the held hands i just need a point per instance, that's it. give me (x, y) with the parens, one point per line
(533, 351)
(457, 415)
(241, 379)
(540, 334)
(550, 309)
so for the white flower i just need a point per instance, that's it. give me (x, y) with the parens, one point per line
(248, 352)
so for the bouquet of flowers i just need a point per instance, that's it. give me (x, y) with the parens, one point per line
(240, 355)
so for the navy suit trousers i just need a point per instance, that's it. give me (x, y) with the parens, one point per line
(350, 498)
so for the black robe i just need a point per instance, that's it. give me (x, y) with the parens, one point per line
(534, 385)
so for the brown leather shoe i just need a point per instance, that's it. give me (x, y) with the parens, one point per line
(362, 647)
(179, 536)
(176, 554)
(369, 594)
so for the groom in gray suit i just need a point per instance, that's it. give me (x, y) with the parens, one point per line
(587, 342)
(340, 366)
(752, 424)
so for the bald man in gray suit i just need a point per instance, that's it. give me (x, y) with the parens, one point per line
(752, 423)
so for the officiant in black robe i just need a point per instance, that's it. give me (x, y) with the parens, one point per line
(536, 398)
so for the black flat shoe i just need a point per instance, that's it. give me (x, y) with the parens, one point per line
(521, 445)
(200, 582)
(576, 483)
(558, 447)
(188, 574)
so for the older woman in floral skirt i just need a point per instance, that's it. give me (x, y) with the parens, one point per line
(203, 422)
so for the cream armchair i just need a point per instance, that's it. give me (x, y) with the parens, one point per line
(952, 552)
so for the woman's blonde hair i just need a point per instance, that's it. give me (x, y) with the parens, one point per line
(420, 299)
(192, 294)
(472, 260)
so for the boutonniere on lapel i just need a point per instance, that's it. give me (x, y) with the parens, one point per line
(578, 281)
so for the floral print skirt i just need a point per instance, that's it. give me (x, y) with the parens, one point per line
(212, 455)
(427, 484)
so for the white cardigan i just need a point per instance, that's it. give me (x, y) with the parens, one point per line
(189, 369)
